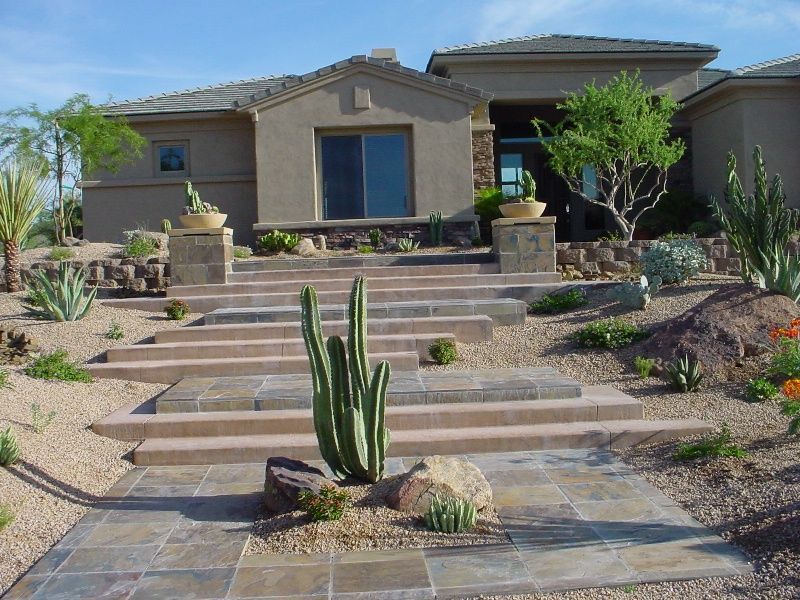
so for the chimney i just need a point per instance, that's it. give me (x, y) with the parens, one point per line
(387, 54)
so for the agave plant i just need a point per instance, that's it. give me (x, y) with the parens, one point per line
(407, 245)
(23, 194)
(9, 449)
(62, 299)
(451, 515)
(684, 375)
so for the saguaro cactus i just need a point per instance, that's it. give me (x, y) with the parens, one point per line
(348, 405)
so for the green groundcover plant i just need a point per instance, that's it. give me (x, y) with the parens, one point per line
(556, 303)
(717, 445)
(56, 365)
(609, 333)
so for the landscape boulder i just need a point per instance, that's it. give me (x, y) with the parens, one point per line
(286, 478)
(304, 248)
(443, 476)
(731, 324)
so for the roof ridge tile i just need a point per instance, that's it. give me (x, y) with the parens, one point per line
(767, 63)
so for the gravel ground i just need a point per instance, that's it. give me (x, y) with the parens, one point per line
(65, 469)
(368, 525)
(753, 502)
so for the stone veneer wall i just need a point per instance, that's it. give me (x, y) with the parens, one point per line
(137, 274)
(623, 257)
(483, 159)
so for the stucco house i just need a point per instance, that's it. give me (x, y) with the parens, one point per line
(367, 142)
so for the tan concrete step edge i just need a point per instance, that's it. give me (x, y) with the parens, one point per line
(597, 403)
(293, 347)
(469, 328)
(384, 271)
(172, 371)
(257, 448)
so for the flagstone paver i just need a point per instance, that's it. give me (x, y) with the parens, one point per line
(575, 518)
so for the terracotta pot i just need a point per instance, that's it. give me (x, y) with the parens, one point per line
(523, 210)
(203, 221)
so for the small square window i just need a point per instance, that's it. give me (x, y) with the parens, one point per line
(171, 159)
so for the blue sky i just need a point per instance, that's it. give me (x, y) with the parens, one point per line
(50, 49)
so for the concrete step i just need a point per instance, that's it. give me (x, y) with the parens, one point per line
(172, 371)
(473, 328)
(598, 403)
(503, 311)
(344, 284)
(205, 304)
(291, 347)
(458, 260)
(419, 442)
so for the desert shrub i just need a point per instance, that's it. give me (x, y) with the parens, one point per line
(59, 253)
(791, 408)
(375, 237)
(4, 381)
(609, 333)
(366, 250)
(140, 247)
(242, 252)
(56, 365)
(715, 445)
(644, 366)
(610, 236)
(62, 299)
(443, 352)
(786, 359)
(671, 236)
(6, 516)
(115, 332)
(39, 419)
(675, 261)
(451, 515)
(760, 390)
(177, 310)
(702, 229)
(9, 449)
(557, 303)
(278, 241)
(487, 204)
(327, 505)
(684, 375)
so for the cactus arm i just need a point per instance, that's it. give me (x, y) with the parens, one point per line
(323, 413)
(354, 445)
(357, 342)
(374, 408)
(340, 381)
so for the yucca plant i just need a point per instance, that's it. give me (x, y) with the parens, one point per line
(684, 375)
(62, 299)
(451, 515)
(407, 245)
(9, 450)
(23, 195)
(759, 227)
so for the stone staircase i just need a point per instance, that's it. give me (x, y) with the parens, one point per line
(248, 419)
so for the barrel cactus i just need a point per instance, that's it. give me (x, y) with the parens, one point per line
(349, 405)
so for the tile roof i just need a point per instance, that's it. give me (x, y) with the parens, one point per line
(708, 76)
(218, 97)
(559, 43)
(290, 83)
(788, 66)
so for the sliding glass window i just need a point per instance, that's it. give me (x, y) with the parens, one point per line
(364, 175)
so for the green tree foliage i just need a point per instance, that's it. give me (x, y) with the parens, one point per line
(69, 141)
(622, 130)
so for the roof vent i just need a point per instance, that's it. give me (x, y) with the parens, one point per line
(388, 54)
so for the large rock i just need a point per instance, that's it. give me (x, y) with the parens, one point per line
(731, 324)
(304, 248)
(286, 478)
(439, 476)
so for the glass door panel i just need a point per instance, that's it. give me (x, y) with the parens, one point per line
(385, 160)
(342, 177)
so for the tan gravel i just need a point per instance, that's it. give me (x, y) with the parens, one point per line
(66, 468)
(368, 525)
(752, 502)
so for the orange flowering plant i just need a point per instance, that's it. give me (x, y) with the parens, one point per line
(786, 360)
(791, 332)
(791, 389)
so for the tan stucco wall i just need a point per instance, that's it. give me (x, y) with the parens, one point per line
(548, 79)
(438, 128)
(221, 165)
(738, 120)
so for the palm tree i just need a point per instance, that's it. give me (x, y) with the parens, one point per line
(23, 195)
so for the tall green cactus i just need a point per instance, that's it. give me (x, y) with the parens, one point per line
(192, 198)
(436, 227)
(528, 185)
(348, 405)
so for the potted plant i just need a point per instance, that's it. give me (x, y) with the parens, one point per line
(525, 206)
(198, 214)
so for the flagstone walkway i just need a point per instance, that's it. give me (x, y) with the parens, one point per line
(575, 518)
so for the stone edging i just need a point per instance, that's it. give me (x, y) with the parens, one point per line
(138, 274)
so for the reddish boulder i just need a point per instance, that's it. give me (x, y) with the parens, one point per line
(286, 478)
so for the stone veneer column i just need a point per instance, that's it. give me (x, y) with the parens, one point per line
(482, 158)
(200, 256)
(525, 245)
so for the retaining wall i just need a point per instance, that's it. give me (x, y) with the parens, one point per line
(137, 274)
